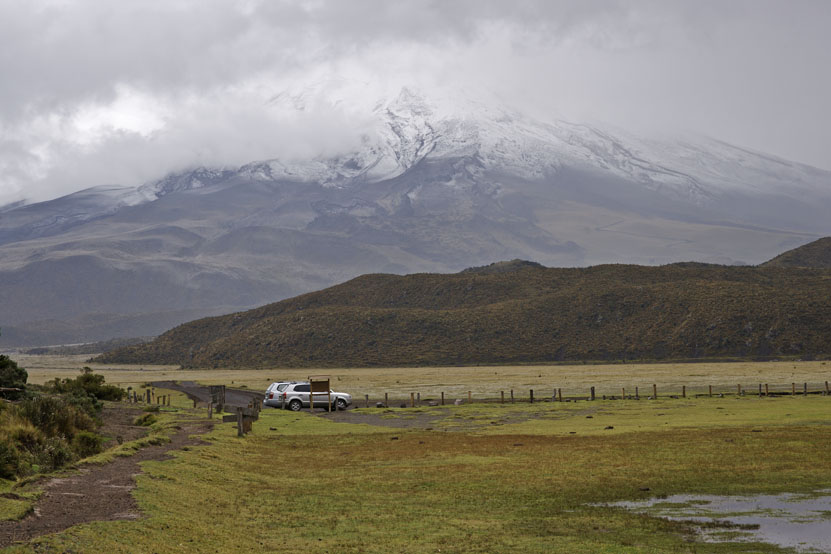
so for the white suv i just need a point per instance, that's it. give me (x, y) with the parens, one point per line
(295, 397)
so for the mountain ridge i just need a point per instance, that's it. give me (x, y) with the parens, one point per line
(430, 188)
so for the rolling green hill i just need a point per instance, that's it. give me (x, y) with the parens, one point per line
(518, 312)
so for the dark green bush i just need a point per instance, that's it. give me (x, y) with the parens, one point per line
(87, 384)
(87, 444)
(12, 376)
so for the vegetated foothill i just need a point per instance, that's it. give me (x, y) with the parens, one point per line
(514, 312)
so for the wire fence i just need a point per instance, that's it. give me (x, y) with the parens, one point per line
(573, 394)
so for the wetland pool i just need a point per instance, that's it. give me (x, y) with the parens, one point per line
(789, 520)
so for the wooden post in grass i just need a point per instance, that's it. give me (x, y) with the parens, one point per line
(793, 389)
(637, 394)
(826, 388)
(148, 395)
(623, 393)
(531, 392)
(240, 430)
(502, 397)
(412, 400)
(210, 410)
(386, 400)
(442, 398)
(805, 389)
(560, 393)
(760, 390)
(711, 389)
(683, 391)
(469, 397)
(418, 399)
(767, 393)
(592, 393)
(654, 391)
(512, 396)
(739, 390)
(366, 400)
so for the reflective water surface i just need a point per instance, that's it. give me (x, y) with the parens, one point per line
(800, 521)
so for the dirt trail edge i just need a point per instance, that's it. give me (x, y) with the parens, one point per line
(97, 492)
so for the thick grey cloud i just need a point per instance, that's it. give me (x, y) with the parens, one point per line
(96, 91)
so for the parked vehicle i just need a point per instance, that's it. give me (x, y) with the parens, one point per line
(295, 397)
(273, 394)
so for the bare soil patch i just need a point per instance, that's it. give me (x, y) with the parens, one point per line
(97, 493)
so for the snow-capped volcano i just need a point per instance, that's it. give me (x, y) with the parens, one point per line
(430, 184)
(408, 127)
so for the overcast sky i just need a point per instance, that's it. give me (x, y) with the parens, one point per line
(122, 92)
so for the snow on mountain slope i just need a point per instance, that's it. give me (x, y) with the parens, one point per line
(408, 127)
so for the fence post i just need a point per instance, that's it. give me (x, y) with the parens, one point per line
(760, 390)
(710, 387)
(512, 396)
(637, 394)
(654, 391)
(386, 400)
(366, 400)
(766, 390)
(442, 398)
(148, 395)
(418, 398)
(240, 430)
(592, 393)
(739, 389)
(623, 393)
(532, 395)
(793, 389)
(560, 393)
(683, 391)
(805, 389)
(502, 397)
(826, 387)
(412, 400)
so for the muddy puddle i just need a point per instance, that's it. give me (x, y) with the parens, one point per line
(799, 521)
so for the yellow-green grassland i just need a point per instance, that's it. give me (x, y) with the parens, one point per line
(480, 477)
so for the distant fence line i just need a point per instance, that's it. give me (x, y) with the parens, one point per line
(559, 394)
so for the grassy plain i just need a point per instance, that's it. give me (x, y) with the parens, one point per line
(482, 381)
(483, 478)
(471, 478)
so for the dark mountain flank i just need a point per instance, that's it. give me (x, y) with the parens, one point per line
(518, 312)
(814, 254)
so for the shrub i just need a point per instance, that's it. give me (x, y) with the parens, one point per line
(9, 460)
(26, 437)
(56, 453)
(88, 384)
(145, 420)
(12, 376)
(87, 444)
(55, 416)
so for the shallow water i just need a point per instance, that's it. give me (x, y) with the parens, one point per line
(799, 521)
